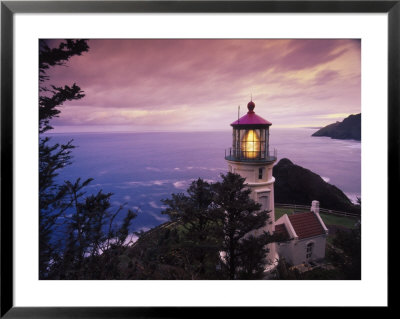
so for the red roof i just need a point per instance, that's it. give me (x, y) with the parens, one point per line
(280, 230)
(251, 117)
(306, 225)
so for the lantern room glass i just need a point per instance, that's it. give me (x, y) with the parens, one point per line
(250, 143)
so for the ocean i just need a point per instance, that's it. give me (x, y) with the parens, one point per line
(140, 169)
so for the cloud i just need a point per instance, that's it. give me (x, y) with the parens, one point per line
(304, 54)
(333, 115)
(325, 76)
(173, 84)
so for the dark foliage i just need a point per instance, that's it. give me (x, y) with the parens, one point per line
(346, 252)
(52, 97)
(201, 232)
(285, 271)
(77, 237)
(52, 157)
(209, 220)
(244, 243)
(250, 257)
(158, 254)
(93, 244)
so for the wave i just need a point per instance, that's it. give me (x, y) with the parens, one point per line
(153, 169)
(158, 217)
(148, 183)
(182, 184)
(353, 197)
(154, 205)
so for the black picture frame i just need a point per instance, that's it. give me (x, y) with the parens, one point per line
(9, 8)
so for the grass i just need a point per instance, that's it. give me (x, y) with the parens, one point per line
(329, 219)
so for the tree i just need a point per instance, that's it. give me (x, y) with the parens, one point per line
(52, 97)
(346, 254)
(207, 220)
(54, 157)
(201, 234)
(217, 219)
(244, 244)
(159, 254)
(93, 243)
(75, 231)
(346, 250)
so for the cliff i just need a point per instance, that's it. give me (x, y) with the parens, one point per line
(297, 185)
(349, 128)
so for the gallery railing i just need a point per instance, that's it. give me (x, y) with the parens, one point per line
(234, 154)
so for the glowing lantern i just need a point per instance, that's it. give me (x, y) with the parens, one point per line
(250, 144)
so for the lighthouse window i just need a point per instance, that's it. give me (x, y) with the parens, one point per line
(260, 173)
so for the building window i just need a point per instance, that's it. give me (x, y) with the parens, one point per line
(309, 251)
(260, 173)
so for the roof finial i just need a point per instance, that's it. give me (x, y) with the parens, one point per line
(251, 105)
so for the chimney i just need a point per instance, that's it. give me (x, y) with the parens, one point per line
(315, 206)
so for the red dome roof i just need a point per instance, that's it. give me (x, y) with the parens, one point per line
(251, 118)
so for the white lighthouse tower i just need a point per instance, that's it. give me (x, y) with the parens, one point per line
(250, 158)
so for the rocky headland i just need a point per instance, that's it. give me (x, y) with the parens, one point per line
(349, 128)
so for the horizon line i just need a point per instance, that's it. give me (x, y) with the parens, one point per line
(181, 131)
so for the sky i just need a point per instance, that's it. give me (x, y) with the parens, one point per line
(198, 84)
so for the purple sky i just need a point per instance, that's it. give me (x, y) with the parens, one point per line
(192, 85)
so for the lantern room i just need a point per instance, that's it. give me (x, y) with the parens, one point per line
(250, 138)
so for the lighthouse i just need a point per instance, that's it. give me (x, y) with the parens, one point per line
(250, 157)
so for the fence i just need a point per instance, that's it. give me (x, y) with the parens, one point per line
(321, 210)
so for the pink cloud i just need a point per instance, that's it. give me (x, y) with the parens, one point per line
(205, 80)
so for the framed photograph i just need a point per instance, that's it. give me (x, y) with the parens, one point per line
(161, 155)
